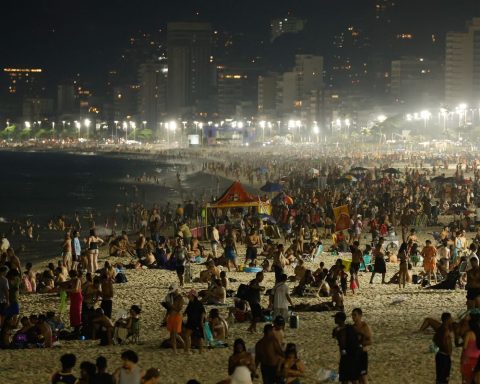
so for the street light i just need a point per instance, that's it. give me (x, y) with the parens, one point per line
(425, 115)
(116, 129)
(27, 124)
(316, 130)
(262, 125)
(125, 128)
(381, 118)
(87, 123)
(78, 127)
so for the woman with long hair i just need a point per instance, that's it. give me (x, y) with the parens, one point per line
(93, 242)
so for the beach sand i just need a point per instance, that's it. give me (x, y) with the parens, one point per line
(397, 356)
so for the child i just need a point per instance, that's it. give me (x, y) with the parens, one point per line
(353, 282)
(65, 376)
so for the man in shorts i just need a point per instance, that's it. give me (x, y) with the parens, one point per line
(349, 345)
(357, 259)
(365, 336)
(253, 242)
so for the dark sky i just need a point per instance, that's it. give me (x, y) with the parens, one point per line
(65, 36)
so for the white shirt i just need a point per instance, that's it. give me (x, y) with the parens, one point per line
(280, 296)
(5, 245)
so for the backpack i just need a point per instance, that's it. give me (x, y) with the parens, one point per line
(120, 278)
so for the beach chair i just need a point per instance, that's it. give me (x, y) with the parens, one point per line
(367, 264)
(312, 257)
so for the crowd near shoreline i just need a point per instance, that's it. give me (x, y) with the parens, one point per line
(162, 302)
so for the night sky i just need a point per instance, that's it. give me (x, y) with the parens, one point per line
(66, 36)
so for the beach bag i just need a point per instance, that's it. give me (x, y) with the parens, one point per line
(120, 278)
(294, 321)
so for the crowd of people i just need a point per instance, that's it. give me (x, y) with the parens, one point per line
(386, 206)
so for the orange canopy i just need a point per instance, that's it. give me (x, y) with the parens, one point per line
(235, 194)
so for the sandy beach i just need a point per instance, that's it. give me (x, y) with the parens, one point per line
(397, 356)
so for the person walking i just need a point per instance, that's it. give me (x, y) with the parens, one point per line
(281, 298)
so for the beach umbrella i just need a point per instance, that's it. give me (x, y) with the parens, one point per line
(272, 187)
(391, 171)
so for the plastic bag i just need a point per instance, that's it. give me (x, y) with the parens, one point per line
(326, 375)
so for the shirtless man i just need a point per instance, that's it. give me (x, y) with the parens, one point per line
(473, 285)
(357, 260)
(443, 340)
(253, 242)
(106, 284)
(67, 252)
(365, 337)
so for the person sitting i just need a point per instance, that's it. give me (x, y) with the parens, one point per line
(196, 250)
(241, 358)
(320, 274)
(335, 305)
(217, 324)
(299, 271)
(148, 260)
(127, 327)
(45, 336)
(21, 338)
(102, 327)
(215, 294)
(210, 273)
(240, 313)
(307, 280)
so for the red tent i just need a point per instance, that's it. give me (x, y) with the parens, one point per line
(235, 194)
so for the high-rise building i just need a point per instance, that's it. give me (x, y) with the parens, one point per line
(67, 102)
(416, 80)
(462, 65)
(267, 94)
(152, 92)
(190, 66)
(290, 24)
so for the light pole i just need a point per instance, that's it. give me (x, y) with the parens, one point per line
(316, 130)
(125, 128)
(53, 130)
(116, 130)
(262, 125)
(133, 126)
(87, 123)
(444, 112)
(78, 127)
(425, 115)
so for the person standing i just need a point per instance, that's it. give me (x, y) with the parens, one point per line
(349, 345)
(76, 299)
(106, 284)
(76, 250)
(254, 291)
(281, 298)
(130, 372)
(269, 355)
(365, 337)
(380, 266)
(180, 257)
(195, 313)
(215, 240)
(252, 243)
(357, 260)
(429, 253)
(67, 252)
(443, 341)
(93, 242)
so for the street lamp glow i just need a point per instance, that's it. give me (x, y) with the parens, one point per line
(263, 124)
(125, 125)
(409, 117)
(381, 118)
(87, 123)
(425, 115)
(316, 129)
(298, 123)
(462, 107)
(291, 124)
(240, 124)
(77, 125)
(172, 125)
(27, 124)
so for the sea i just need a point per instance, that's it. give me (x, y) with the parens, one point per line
(43, 185)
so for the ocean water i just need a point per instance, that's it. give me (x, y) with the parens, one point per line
(42, 185)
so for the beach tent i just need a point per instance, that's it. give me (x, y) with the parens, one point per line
(235, 197)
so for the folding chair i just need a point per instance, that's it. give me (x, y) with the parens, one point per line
(367, 264)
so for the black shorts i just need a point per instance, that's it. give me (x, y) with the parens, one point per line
(197, 330)
(363, 363)
(349, 368)
(443, 365)
(473, 293)
(251, 253)
(257, 313)
(354, 267)
(180, 269)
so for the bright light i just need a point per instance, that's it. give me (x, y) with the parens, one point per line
(87, 123)
(409, 117)
(338, 122)
(425, 115)
(125, 125)
(347, 122)
(462, 107)
(291, 124)
(240, 124)
(77, 125)
(27, 124)
(116, 122)
(144, 122)
(298, 123)
(443, 111)
(381, 118)
(133, 125)
(316, 130)
(172, 125)
(263, 124)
